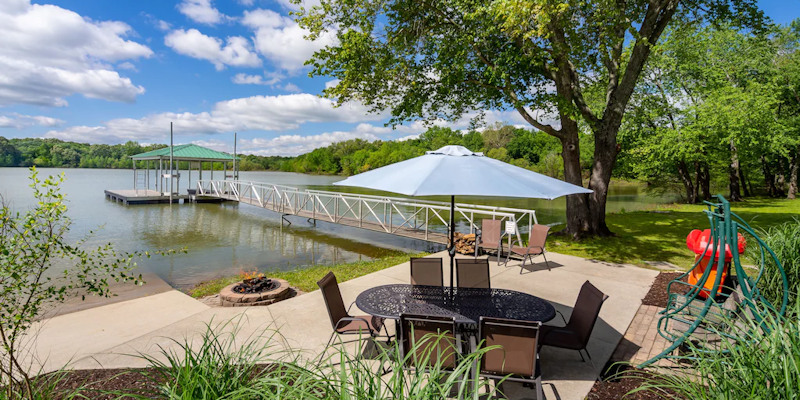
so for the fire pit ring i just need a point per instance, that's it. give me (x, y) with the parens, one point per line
(278, 290)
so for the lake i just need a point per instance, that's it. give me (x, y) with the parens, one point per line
(224, 239)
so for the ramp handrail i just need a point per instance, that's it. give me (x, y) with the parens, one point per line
(391, 213)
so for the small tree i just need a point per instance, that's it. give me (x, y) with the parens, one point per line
(33, 251)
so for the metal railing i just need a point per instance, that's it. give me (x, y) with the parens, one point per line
(395, 215)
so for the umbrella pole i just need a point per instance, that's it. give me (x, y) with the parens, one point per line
(452, 249)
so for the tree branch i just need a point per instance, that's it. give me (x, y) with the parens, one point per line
(656, 19)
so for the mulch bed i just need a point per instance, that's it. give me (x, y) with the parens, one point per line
(657, 296)
(101, 384)
(616, 387)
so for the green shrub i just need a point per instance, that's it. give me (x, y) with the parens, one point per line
(221, 367)
(784, 240)
(762, 361)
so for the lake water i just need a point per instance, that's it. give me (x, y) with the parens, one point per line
(224, 239)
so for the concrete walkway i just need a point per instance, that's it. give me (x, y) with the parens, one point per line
(107, 336)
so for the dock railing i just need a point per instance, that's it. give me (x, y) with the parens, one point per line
(394, 215)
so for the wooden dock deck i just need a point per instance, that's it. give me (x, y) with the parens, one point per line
(141, 196)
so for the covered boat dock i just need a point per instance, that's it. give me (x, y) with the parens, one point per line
(157, 174)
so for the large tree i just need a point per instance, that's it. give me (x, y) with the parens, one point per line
(444, 59)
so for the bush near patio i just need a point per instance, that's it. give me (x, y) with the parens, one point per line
(759, 362)
(784, 240)
(221, 366)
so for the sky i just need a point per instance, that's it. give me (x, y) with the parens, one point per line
(100, 71)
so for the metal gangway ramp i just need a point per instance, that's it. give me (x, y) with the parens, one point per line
(417, 219)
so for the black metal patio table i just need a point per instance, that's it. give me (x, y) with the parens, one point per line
(467, 305)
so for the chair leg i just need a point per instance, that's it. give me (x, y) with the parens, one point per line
(539, 392)
(590, 357)
(581, 354)
(545, 261)
(330, 340)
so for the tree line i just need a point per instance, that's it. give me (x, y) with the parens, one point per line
(27, 152)
(522, 147)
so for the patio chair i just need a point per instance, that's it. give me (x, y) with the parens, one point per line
(343, 323)
(472, 272)
(575, 333)
(490, 237)
(536, 245)
(420, 334)
(427, 271)
(517, 358)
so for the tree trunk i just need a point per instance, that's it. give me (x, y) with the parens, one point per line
(780, 185)
(743, 181)
(577, 207)
(686, 178)
(605, 155)
(769, 178)
(793, 167)
(733, 175)
(705, 181)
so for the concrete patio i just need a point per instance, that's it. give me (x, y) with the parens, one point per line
(107, 336)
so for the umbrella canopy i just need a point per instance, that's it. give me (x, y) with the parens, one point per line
(443, 172)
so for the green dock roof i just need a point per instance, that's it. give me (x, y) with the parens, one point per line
(185, 152)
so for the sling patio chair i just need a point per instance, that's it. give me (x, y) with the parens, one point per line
(575, 333)
(490, 237)
(517, 357)
(536, 246)
(473, 272)
(428, 341)
(343, 323)
(427, 271)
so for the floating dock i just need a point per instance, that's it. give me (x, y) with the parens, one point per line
(145, 196)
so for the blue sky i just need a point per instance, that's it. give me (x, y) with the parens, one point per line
(110, 71)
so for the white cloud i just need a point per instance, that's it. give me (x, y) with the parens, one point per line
(246, 3)
(201, 11)
(409, 137)
(127, 65)
(163, 25)
(215, 144)
(48, 53)
(305, 3)
(292, 145)
(257, 113)
(20, 121)
(268, 79)
(281, 40)
(236, 52)
(292, 88)
(332, 83)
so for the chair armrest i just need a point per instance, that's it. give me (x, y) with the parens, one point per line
(533, 247)
(562, 317)
(351, 319)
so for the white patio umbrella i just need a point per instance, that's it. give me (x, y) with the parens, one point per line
(442, 172)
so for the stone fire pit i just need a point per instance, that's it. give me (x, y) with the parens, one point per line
(255, 292)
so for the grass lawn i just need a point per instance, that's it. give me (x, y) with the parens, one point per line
(660, 235)
(306, 279)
